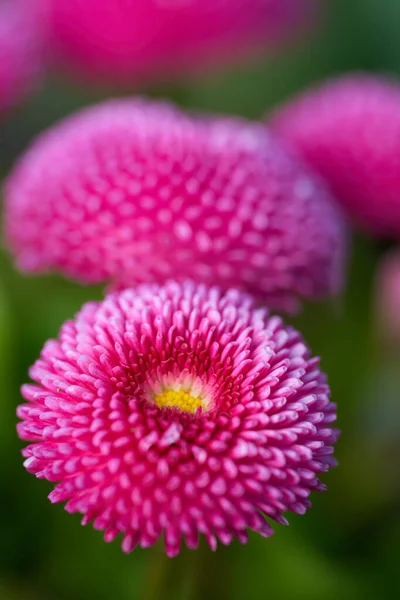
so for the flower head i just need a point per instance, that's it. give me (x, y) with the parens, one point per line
(178, 410)
(132, 191)
(349, 131)
(124, 41)
(20, 50)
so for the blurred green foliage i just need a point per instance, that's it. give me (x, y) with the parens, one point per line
(348, 545)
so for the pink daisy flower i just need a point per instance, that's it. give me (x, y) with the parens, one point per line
(349, 131)
(132, 191)
(20, 50)
(178, 410)
(127, 40)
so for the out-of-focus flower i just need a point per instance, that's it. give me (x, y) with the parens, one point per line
(133, 191)
(125, 40)
(21, 39)
(387, 299)
(178, 410)
(349, 131)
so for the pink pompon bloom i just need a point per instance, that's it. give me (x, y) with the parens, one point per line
(178, 410)
(20, 51)
(123, 41)
(349, 131)
(387, 298)
(133, 191)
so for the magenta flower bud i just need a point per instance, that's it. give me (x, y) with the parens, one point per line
(124, 41)
(349, 131)
(21, 57)
(132, 191)
(178, 410)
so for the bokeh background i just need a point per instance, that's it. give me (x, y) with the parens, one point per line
(348, 544)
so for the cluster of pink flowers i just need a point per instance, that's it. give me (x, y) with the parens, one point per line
(176, 407)
(179, 405)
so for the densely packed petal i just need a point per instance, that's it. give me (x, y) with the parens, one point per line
(123, 41)
(21, 57)
(349, 131)
(178, 410)
(132, 191)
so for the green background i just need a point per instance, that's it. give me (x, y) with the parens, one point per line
(348, 544)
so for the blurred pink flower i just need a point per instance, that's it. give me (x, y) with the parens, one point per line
(387, 298)
(21, 39)
(126, 40)
(178, 410)
(349, 131)
(133, 191)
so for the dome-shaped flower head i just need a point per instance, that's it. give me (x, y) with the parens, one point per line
(133, 191)
(20, 50)
(124, 40)
(178, 410)
(349, 131)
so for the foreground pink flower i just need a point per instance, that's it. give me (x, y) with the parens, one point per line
(178, 410)
(349, 131)
(127, 40)
(133, 191)
(20, 51)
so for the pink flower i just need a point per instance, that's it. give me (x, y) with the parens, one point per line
(349, 131)
(133, 191)
(127, 40)
(178, 410)
(20, 50)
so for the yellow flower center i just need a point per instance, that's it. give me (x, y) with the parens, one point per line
(181, 399)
